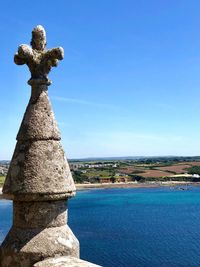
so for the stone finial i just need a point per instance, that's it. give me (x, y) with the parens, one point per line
(38, 167)
(38, 59)
(39, 180)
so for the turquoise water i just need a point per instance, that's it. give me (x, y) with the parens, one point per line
(133, 227)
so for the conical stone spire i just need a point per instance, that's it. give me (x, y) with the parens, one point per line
(39, 179)
(38, 168)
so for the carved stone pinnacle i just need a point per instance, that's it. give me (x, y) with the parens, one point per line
(39, 180)
(38, 59)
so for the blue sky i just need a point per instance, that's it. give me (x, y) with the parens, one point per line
(129, 84)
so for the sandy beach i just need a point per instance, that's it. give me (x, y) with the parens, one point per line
(113, 185)
(132, 185)
(128, 185)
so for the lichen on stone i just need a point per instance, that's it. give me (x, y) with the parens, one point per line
(38, 58)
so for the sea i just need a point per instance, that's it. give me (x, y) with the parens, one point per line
(133, 227)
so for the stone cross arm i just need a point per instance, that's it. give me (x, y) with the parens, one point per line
(53, 55)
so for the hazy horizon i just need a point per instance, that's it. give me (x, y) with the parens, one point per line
(125, 157)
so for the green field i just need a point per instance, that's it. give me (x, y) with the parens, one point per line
(2, 179)
(99, 173)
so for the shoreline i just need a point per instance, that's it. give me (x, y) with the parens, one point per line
(134, 185)
(80, 187)
(113, 185)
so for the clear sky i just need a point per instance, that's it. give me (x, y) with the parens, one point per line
(129, 84)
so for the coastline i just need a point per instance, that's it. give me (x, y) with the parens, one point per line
(133, 185)
(80, 187)
(113, 185)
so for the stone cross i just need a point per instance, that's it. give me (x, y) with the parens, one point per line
(38, 59)
(39, 180)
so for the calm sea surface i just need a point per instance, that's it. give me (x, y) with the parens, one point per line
(133, 227)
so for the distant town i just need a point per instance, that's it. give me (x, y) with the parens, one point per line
(131, 169)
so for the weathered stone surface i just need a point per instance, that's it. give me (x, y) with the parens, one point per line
(39, 167)
(49, 214)
(38, 59)
(39, 121)
(37, 197)
(64, 262)
(24, 247)
(39, 179)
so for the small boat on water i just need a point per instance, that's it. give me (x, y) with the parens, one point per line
(182, 187)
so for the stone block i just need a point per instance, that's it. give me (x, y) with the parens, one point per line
(25, 247)
(64, 262)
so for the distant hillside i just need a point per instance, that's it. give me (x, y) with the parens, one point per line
(139, 158)
(131, 158)
(4, 161)
(107, 158)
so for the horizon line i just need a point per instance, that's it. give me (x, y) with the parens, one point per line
(125, 157)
